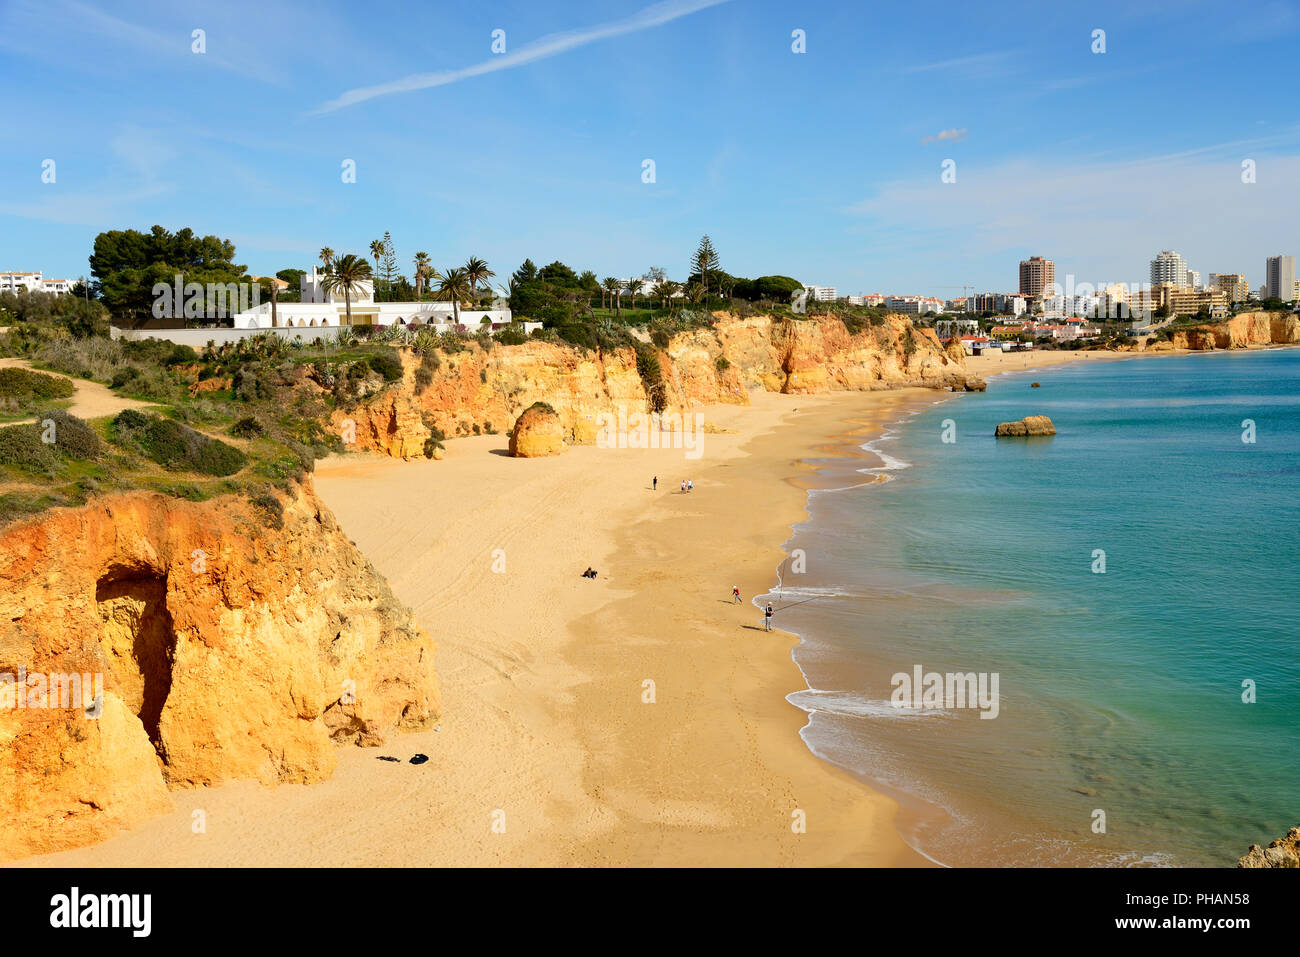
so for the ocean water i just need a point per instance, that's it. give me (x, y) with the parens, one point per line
(1122, 736)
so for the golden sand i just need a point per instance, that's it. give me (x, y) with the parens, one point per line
(639, 719)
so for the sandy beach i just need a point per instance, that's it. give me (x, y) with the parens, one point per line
(638, 719)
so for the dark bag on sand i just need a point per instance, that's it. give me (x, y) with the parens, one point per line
(419, 759)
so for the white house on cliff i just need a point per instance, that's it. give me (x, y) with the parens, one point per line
(321, 308)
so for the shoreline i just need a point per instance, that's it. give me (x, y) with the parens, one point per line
(543, 671)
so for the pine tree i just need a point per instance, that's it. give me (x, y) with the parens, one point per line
(388, 265)
(705, 261)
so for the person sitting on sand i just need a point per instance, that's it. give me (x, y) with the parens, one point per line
(589, 573)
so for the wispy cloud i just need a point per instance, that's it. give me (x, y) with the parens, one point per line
(950, 136)
(980, 60)
(652, 16)
(43, 28)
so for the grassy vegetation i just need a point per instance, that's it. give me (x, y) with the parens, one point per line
(22, 391)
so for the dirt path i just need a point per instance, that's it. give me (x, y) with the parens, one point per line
(92, 400)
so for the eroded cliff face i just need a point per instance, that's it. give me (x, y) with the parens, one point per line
(476, 390)
(228, 648)
(1240, 332)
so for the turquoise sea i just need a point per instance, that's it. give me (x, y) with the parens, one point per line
(1120, 691)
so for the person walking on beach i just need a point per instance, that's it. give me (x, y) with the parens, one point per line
(767, 617)
(735, 594)
(690, 485)
(683, 485)
(654, 484)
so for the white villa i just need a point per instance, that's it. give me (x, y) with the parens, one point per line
(34, 282)
(321, 308)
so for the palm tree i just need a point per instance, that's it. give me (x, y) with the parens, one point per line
(275, 295)
(421, 266)
(613, 287)
(327, 257)
(633, 285)
(454, 285)
(478, 274)
(347, 277)
(376, 251)
(665, 290)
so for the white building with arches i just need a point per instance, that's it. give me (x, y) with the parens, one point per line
(321, 308)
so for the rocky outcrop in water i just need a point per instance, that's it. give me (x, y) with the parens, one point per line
(211, 641)
(1029, 425)
(1284, 852)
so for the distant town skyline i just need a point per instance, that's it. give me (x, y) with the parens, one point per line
(806, 142)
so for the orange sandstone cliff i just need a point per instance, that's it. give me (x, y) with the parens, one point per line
(232, 641)
(486, 390)
(1250, 329)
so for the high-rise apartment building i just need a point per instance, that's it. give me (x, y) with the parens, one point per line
(1193, 279)
(1037, 276)
(1169, 267)
(1279, 278)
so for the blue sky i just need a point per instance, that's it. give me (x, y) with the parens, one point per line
(823, 165)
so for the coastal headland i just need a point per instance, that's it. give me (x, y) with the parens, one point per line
(637, 718)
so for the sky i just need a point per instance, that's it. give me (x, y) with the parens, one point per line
(807, 140)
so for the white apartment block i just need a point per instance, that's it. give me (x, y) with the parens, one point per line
(1168, 267)
(821, 293)
(33, 282)
(1193, 279)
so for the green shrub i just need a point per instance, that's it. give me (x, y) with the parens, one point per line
(659, 336)
(21, 445)
(247, 428)
(181, 355)
(271, 507)
(388, 364)
(512, 335)
(24, 384)
(652, 379)
(175, 446)
(72, 436)
(722, 363)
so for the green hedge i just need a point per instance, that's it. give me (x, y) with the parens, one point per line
(18, 383)
(175, 446)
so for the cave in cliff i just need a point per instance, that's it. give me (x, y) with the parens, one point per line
(138, 638)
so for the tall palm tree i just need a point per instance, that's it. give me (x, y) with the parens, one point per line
(633, 286)
(376, 251)
(348, 276)
(327, 257)
(454, 285)
(613, 287)
(478, 274)
(421, 267)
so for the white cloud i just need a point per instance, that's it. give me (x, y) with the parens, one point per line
(980, 62)
(953, 136)
(556, 43)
